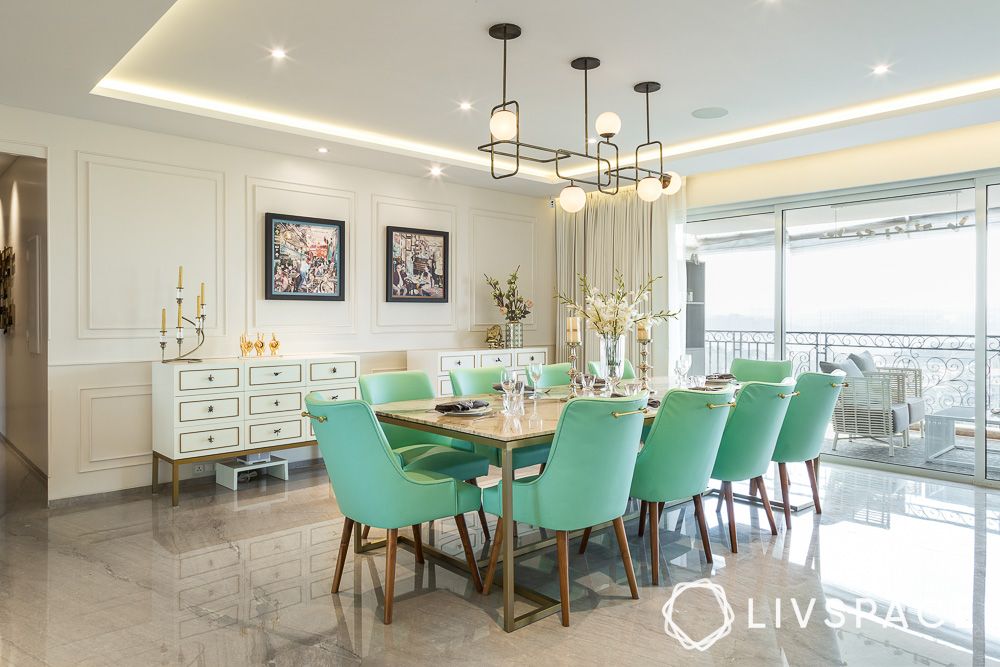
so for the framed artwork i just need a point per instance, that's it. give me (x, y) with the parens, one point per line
(303, 258)
(416, 265)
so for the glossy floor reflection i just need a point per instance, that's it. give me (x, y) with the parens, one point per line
(244, 579)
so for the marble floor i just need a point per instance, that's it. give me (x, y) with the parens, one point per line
(244, 579)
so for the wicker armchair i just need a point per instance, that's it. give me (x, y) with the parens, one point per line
(878, 404)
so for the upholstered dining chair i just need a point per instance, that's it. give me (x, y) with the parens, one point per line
(418, 450)
(553, 375)
(585, 483)
(748, 442)
(677, 459)
(804, 430)
(628, 371)
(759, 370)
(373, 489)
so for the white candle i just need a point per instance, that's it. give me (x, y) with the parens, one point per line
(573, 330)
(642, 333)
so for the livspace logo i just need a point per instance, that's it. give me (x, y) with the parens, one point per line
(834, 615)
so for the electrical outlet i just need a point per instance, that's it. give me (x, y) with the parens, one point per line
(199, 468)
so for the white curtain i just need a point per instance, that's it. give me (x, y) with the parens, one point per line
(625, 234)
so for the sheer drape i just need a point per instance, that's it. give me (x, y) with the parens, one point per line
(616, 233)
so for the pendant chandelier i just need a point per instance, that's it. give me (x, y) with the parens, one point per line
(608, 174)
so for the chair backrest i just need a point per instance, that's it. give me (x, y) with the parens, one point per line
(758, 370)
(553, 375)
(628, 371)
(680, 449)
(808, 417)
(378, 388)
(367, 480)
(472, 381)
(589, 470)
(752, 430)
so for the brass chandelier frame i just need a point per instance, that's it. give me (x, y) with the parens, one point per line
(609, 173)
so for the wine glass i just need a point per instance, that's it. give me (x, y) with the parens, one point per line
(508, 381)
(535, 373)
(682, 366)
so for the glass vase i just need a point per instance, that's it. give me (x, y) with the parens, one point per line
(513, 335)
(612, 359)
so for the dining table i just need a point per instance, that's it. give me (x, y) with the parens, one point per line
(506, 433)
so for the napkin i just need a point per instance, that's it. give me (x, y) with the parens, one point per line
(722, 377)
(461, 406)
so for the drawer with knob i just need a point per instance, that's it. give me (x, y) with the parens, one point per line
(271, 402)
(205, 408)
(274, 374)
(208, 379)
(336, 393)
(525, 358)
(504, 359)
(450, 362)
(212, 439)
(332, 370)
(284, 430)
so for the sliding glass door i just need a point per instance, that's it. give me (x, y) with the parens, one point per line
(991, 453)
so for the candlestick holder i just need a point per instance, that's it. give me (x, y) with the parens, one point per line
(573, 373)
(199, 334)
(644, 367)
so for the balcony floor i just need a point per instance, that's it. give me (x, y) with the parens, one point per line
(960, 460)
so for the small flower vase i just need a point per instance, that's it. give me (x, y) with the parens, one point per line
(612, 359)
(513, 335)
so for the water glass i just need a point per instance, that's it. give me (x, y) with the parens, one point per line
(587, 382)
(535, 373)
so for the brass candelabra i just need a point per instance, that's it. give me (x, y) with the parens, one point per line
(644, 367)
(573, 373)
(197, 321)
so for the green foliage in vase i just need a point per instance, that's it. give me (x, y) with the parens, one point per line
(513, 306)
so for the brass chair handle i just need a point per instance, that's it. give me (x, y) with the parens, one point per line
(794, 393)
(839, 384)
(319, 418)
(640, 411)
(712, 406)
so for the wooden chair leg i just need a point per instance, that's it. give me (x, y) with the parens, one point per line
(585, 539)
(783, 476)
(345, 544)
(727, 490)
(418, 545)
(562, 549)
(470, 558)
(365, 531)
(654, 541)
(767, 505)
(722, 494)
(816, 461)
(753, 487)
(482, 513)
(494, 557)
(390, 573)
(814, 483)
(643, 506)
(699, 512)
(626, 557)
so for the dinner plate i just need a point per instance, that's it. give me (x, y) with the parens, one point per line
(479, 412)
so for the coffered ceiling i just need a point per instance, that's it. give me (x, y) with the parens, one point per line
(380, 83)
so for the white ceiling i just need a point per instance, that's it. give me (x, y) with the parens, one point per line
(400, 69)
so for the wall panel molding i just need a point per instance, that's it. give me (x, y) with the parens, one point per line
(115, 427)
(520, 233)
(177, 177)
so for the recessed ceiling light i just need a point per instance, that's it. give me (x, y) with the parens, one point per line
(322, 149)
(436, 170)
(465, 106)
(710, 112)
(278, 54)
(880, 69)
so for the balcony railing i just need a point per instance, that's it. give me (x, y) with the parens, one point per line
(946, 361)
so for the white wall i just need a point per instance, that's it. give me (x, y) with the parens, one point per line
(25, 365)
(126, 207)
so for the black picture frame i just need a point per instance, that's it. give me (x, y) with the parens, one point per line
(433, 273)
(278, 255)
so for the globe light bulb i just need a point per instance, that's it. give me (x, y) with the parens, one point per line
(675, 184)
(608, 124)
(503, 125)
(649, 189)
(572, 198)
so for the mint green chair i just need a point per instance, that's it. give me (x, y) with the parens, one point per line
(479, 381)
(804, 430)
(373, 489)
(758, 370)
(677, 459)
(748, 443)
(585, 483)
(553, 375)
(418, 450)
(628, 371)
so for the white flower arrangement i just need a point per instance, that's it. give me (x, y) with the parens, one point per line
(616, 312)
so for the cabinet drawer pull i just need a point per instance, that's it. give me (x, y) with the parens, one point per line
(211, 378)
(458, 363)
(333, 369)
(277, 373)
(211, 408)
(277, 431)
(211, 438)
(532, 357)
(277, 403)
(335, 397)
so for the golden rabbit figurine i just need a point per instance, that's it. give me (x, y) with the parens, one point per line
(258, 345)
(245, 345)
(274, 345)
